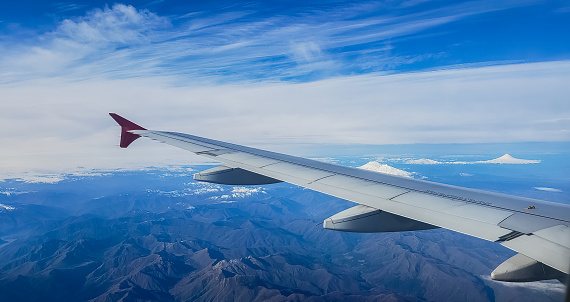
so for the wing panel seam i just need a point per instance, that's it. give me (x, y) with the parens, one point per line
(398, 195)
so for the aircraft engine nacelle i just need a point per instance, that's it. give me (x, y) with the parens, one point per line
(233, 176)
(364, 219)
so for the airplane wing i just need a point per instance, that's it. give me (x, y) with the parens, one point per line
(538, 230)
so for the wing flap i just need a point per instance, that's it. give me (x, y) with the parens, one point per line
(454, 207)
(525, 223)
(363, 186)
(559, 234)
(542, 250)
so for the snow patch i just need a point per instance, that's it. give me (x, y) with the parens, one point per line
(241, 192)
(184, 205)
(548, 189)
(169, 193)
(207, 190)
(223, 199)
(237, 193)
(201, 190)
(382, 168)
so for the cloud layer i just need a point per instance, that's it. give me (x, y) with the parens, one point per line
(64, 124)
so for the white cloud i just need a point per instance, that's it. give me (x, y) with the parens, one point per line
(306, 51)
(329, 160)
(38, 177)
(550, 289)
(548, 189)
(422, 161)
(120, 24)
(65, 7)
(6, 208)
(12, 191)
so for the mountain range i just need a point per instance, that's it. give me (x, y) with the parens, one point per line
(159, 236)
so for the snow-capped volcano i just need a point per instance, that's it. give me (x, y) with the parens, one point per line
(507, 159)
(382, 168)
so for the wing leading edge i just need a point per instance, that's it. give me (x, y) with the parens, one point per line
(538, 230)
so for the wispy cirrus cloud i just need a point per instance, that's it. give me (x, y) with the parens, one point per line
(548, 189)
(77, 46)
(118, 26)
(67, 6)
(122, 41)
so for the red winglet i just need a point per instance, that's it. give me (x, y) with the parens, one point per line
(126, 137)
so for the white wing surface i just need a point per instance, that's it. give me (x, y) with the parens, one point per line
(538, 230)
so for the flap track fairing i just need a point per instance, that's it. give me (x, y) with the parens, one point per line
(521, 268)
(233, 176)
(364, 219)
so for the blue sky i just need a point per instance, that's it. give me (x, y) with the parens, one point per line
(282, 40)
(277, 73)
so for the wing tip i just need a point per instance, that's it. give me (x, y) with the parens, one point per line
(125, 123)
(126, 137)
